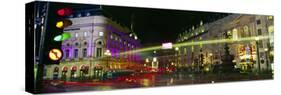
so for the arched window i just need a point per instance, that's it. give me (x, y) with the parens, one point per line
(246, 31)
(85, 52)
(67, 53)
(235, 34)
(75, 53)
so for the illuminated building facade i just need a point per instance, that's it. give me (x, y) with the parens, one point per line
(94, 47)
(232, 27)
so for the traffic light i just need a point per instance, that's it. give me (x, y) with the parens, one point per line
(56, 21)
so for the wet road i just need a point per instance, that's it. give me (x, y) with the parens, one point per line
(149, 80)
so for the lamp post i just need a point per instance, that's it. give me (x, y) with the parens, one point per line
(177, 54)
(266, 59)
(146, 61)
(258, 55)
(154, 64)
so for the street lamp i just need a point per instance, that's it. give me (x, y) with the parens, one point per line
(146, 61)
(177, 48)
(258, 55)
(154, 62)
(154, 59)
(177, 55)
(266, 58)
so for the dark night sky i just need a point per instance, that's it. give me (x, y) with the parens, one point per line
(155, 26)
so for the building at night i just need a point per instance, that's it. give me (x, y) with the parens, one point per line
(252, 45)
(94, 47)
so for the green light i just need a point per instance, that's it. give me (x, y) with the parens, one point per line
(58, 38)
(66, 36)
(62, 37)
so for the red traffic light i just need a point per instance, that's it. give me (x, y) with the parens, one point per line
(64, 12)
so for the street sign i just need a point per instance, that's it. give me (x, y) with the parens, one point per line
(55, 54)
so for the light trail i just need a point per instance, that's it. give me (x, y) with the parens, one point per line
(255, 38)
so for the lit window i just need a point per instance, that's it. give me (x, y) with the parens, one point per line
(100, 33)
(116, 38)
(235, 34)
(76, 35)
(246, 28)
(85, 34)
(270, 29)
(111, 36)
(246, 31)
(270, 17)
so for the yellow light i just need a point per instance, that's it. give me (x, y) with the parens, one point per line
(177, 48)
(257, 38)
(59, 24)
(270, 17)
(146, 60)
(266, 49)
